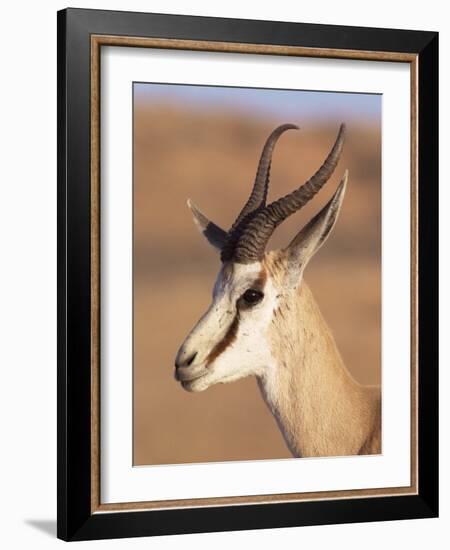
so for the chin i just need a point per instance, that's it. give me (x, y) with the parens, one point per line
(195, 386)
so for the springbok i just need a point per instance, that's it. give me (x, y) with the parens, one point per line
(264, 321)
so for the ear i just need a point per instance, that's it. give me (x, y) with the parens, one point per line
(215, 235)
(308, 241)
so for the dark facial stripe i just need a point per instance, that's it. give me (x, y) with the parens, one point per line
(229, 337)
(231, 334)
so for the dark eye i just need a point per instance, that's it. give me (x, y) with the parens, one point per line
(252, 296)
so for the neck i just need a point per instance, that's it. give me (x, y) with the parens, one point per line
(320, 409)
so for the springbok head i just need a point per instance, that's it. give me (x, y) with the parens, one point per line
(231, 340)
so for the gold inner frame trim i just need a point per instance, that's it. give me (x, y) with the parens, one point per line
(97, 41)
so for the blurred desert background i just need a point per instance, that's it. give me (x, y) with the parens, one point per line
(204, 143)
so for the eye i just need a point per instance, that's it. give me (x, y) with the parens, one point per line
(252, 296)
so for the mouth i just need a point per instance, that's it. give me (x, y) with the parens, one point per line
(186, 374)
(189, 376)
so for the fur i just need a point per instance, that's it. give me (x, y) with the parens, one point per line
(320, 409)
(284, 341)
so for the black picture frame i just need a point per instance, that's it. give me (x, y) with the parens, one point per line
(76, 521)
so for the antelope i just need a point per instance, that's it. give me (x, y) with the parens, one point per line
(264, 321)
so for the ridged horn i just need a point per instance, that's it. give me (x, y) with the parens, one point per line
(252, 237)
(258, 196)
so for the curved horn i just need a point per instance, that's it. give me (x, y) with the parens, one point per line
(253, 237)
(258, 196)
(260, 187)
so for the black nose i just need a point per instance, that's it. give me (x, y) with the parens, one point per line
(185, 362)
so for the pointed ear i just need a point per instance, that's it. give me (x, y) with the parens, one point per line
(213, 233)
(308, 241)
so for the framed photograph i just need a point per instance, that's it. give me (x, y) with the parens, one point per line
(247, 255)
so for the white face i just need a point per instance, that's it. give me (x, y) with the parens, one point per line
(229, 342)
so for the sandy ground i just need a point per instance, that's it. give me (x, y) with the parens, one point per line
(212, 158)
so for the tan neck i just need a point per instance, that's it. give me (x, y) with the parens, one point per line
(319, 407)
